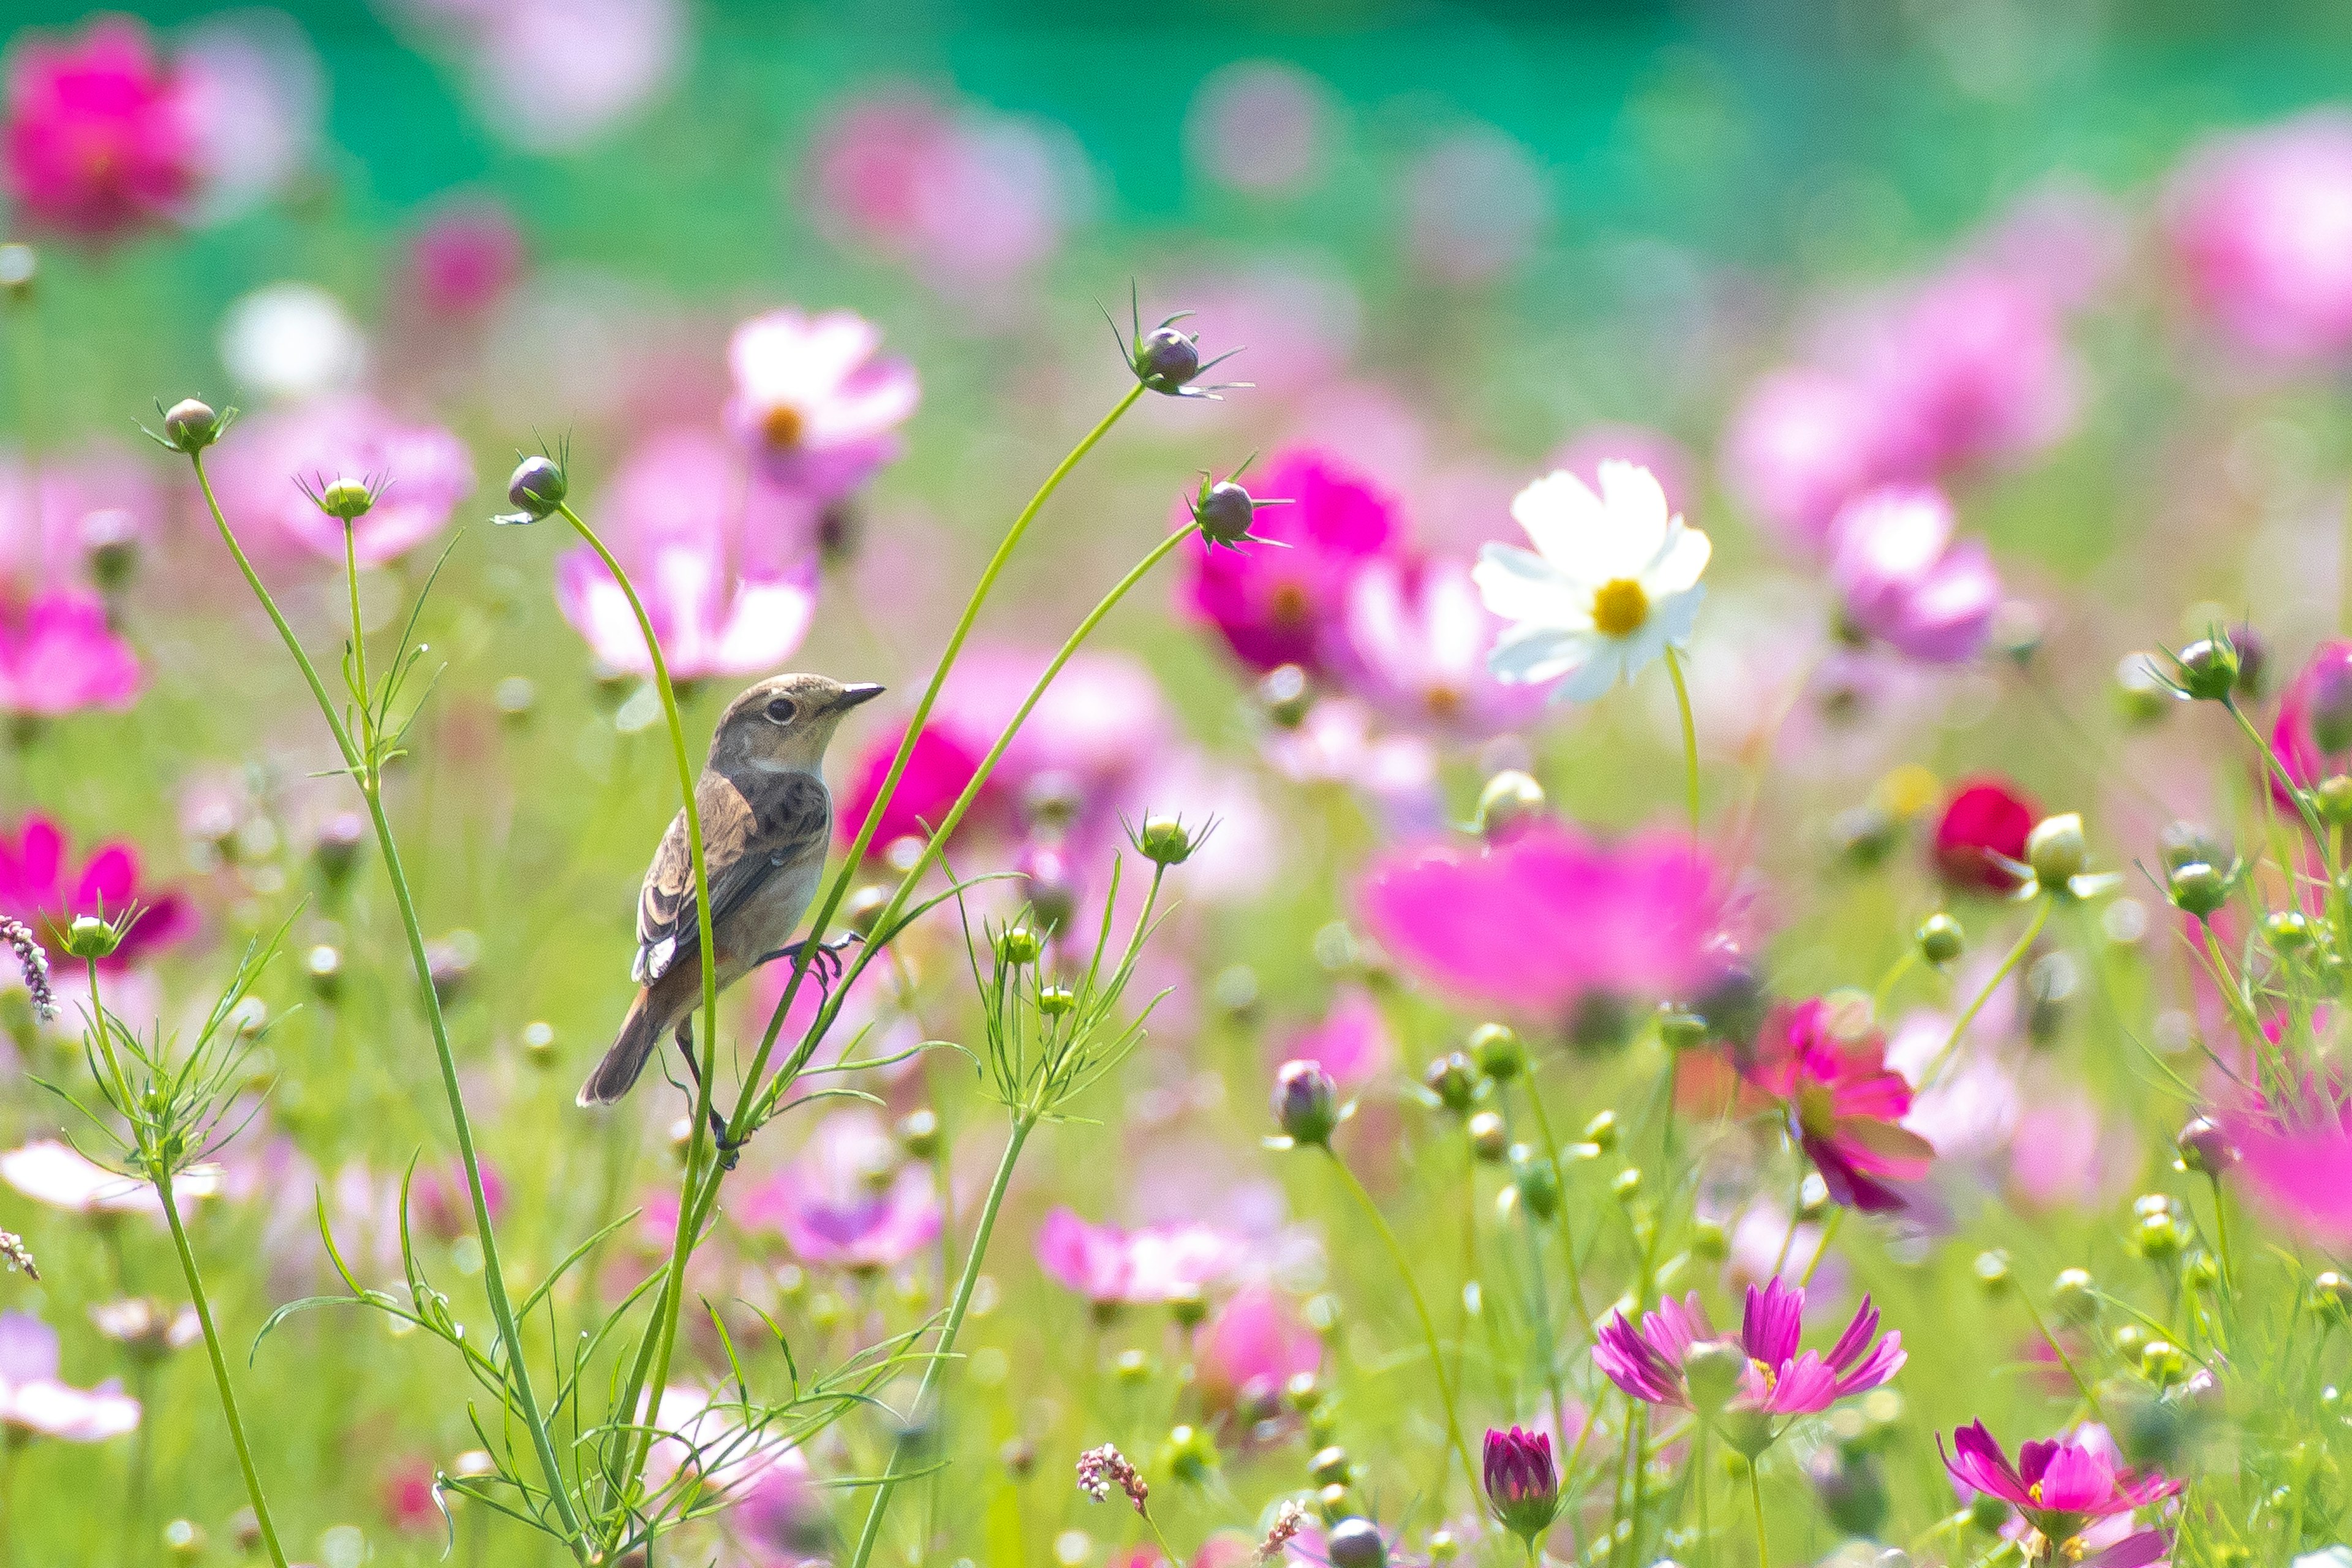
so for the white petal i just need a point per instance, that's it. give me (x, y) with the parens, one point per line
(1519, 586)
(1638, 517)
(1678, 562)
(1676, 614)
(1595, 678)
(1526, 655)
(1563, 519)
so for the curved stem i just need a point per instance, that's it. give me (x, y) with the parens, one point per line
(1690, 737)
(494, 1283)
(2016, 954)
(651, 1364)
(1421, 1309)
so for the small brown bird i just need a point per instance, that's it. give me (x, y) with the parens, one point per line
(767, 821)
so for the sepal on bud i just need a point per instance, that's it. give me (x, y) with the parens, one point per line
(535, 489)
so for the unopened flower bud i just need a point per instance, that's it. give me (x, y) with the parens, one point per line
(1992, 1268)
(1190, 1455)
(2204, 1147)
(1055, 1001)
(1164, 841)
(2207, 670)
(1019, 946)
(2332, 799)
(2141, 695)
(2287, 931)
(2158, 1238)
(919, 1133)
(1225, 511)
(2201, 1272)
(346, 499)
(1680, 1029)
(1356, 1543)
(2331, 1295)
(1186, 1304)
(1601, 1130)
(1306, 1103)
(536, 488)
(191, 426)
(538, 1040)
(1941, 940)
(1713, 1371)
(1499, 1052)
(1627, 1184)
(1329, 1467)
(1509, 800)
(1453, 1080)
(1166, 359)
(2075, 1295)
(1489, 1140)
(2162, 1364)
(183, 1541)
(90, 938)
(2056, 850)
(1285, 694)
(2198, 891)
(1538, 1181)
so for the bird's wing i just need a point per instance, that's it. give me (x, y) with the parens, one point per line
(743, 845)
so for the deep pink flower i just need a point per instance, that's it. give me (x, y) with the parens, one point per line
(40, 884)
(259, 472)
(1846, 1105)
(58, 655)
(408, 1496)
(1547, 917)
(1353, 1043)
(1522, 1484)
(2260, 224)
(938, 771)
(1275, 605)
(1250, 1347)
(815, 404)
(1111, 1267)
(466, 256)
(725, 564)
(1779, 1380)
(2059, 1486)
(99, 138)
(1414, 644)
(1901, 578)
(845, 1202)
(2298, 1161)
(1984, 824)
(1099, 728)
(2312, 732)
(34, 1399)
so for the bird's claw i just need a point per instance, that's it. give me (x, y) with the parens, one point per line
(826, 962)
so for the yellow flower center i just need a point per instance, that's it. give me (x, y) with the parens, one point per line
(780, 427)
(1443, 702)
(1620, 607)
(2034, 1491)
(1771, 1380)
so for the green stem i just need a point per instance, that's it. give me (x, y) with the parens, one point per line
(358, 642)
(493, 1272)
(1690, 736)
(163, 1178)
(2016, 954)
(1698, 1485)
(1821, 1248)
(650, 1367)
(1421, 1309)
(1567, 1229)
(1756, 1495)
(2221, 1230)
(1022, 1125)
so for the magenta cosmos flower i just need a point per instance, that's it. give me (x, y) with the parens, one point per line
(814, 403)
(1846, 1105)
(1522, 1484)
(1901, 578)
(34, 1399)
(1979, 840)
(260, 471)
(1780, 1379)
(725, 566)
(100, 138)
(1275, 603)
(1114, 1268)
(846, 1202)
(1413, 642)
(2260, 224)
(465, 258)
(1250, 1347)
(1547, 917)
(2060, 1486)
(41, 885)
(58, 656)
(2299, 1163)
(2312, 732)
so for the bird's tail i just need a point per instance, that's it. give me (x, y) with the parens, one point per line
(640, 1032)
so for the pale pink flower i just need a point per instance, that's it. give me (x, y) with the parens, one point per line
(1901, 579)
(464, 258)
(724, 563)
(259, 472)
(58, 655)
(2066, 1155)
(713, 1438)
(2299, 1163)
(56, 1174)
(1250, 1347)
(2261, 225)
(590, 64)
(1338, 745)
(845, 1202)
(1414, 643)
(779, 1517)
(1976, 363)
(1300, 322)
(1111, 1267)
(1259, 126)
(2063, 237)
(34, 1399)
(1474, 203)
(1353, 1043)
(1802, 443)
(98, 139)
(815, 402)
(256, 95)
(55, 517)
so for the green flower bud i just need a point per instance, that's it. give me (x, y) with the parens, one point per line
(1452, 1081)
(1286, 694)
(1627, 1184)
(90, 938)
(346, 499)
(1941, 939)
(1713, 1371)
(191, 426)
(1709, 1243)
(1498, 1051)
(919, 1133)
(1510, 799)
(1538, 1181)
(1019, 947)
(1133, 1366)
(1164, 841)
(2331, 1295)
(1601, 1131)
(1329, 1467)
(1680, 1029)
(1489, 1140)
(1055, 1001)
(2332, 799)
(1992, 1268)
(2207, 670)
(2158, 1238)
(2198, 890)
(2071, 1295)
(1186, 1304)
(1190, 1455)
(2056, 849)
(2201, 1273)
(2287, 931)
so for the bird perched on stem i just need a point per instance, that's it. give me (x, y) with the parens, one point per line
(767, 821)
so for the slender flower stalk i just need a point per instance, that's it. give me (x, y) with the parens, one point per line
(1755, 1496)
(1969, 1015)
(1690, 736)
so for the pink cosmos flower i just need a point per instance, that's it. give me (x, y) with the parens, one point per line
(256, 94)
(813, 403)
(34, 1399)
(406, 1495)
(40, 884)
(2060, 1486)
(724, 563)
(779, 1515)
(1845, 1106)
(466, 256)
(1339, 744)
(99, 139)
(59, 519)
(591, 63)
(58, 656)
(1259, 126)
(1981, 836)
(1802, 443)
(1115, 1267)
(56, 1174)
(2299, 1163)
(1273, 605)
(1547, 917)
(2312, 732)
(1414, 644)
(1353, 1043)
(846, 1203)
(1977, 364)
(258, 474)
(938, 771)
(1902, 579)
(2065, 1153)
(2260, 226)
(1096, 731)
(1779, 1380)
(1250, 1347)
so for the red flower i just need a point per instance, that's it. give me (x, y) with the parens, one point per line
(1986, 819)
(40, 886)
(99, 137)
(1845, 1106)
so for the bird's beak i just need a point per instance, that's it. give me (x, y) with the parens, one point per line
(851, 696)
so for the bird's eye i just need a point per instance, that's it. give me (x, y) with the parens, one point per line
(781, 710)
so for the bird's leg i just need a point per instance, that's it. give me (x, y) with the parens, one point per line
(825, 963)
(728, 1152)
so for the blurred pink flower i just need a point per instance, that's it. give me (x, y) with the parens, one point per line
(1902, 581)
(1976, 366)
(1100, 723)
(58, 655)
(56, 1174)
(98, 139)
(464, 258)
(2063, 237)
(440, 1204)
(406, 1495)
(1547, 917)
(1275, 603)
(725, 564)
(2313, 728)
(256, 96)
(34, 1399)
(40, 884)
(814, 403)
(1845, 1106)
(941, 765)
(1802, 443)
(58, 518)
(2299, 1163)
(1336, 744)
(2260, 226)
(2064, 1153)
(1250, 1347)
(845, 1202)
(779, 1514)
(591, 64)
(1474, 203)
(1111, 1267)
(1259, 126)
(1414, 644)
(258, 475)
(1353, 1043)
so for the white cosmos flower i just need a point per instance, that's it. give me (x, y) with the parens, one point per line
(1613, 582)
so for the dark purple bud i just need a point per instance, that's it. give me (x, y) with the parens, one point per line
(1521, 1483)
(1224, 512)
(537, 487)
(2205, 1148)
(2254, 659)
(1356, 1543)
(1051, 884)
(2328, 705)
(1166, 359)
(1306, 1103)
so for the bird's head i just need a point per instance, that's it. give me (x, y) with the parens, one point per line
(781, 724)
